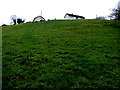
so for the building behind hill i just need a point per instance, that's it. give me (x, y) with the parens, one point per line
(72, 16)
(38, 19)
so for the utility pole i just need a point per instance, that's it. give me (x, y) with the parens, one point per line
(41, 12)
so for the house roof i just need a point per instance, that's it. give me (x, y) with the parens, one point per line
(72, 15)
(38, 18)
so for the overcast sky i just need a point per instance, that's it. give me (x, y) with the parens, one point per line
(51, 9)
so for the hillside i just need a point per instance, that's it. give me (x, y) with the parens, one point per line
(61, 53)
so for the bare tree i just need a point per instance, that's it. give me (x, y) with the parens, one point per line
(13, 19)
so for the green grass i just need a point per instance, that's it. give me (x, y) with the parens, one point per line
(61, 54)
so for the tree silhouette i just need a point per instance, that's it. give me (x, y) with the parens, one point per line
(116, 12)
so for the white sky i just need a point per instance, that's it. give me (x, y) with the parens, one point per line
(52, 9)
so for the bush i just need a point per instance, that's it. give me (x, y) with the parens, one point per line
(4, 25)
(19, 21)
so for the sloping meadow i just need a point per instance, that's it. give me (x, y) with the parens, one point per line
(61, 54)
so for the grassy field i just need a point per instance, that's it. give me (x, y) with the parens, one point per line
(61, 54)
